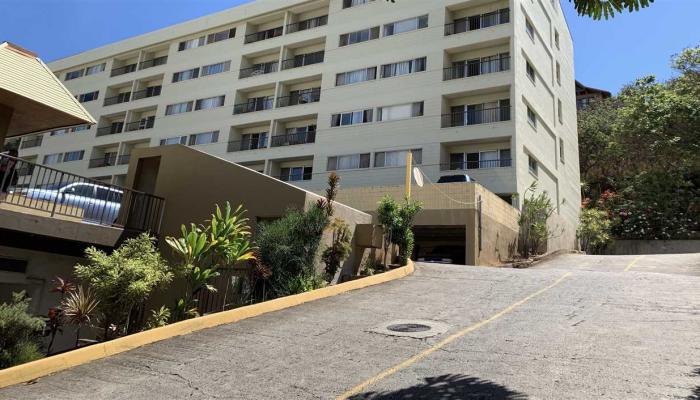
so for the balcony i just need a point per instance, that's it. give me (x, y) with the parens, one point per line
(143, 123)
(123, 159)
(106, 161)
(31, 142)
(475, 68)
(123, 70)
(476, 117)
(247, 144)
(151, 91)
(112, 129)
(263, 35)
(259, 69)
(481, 164)
(58, 194)
(254, 104)
(293, 139)
(120, 98)
(301, 97)
(476, 22)
(304, 60)
(307, 24)
(153, 62)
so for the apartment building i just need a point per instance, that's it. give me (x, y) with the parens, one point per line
(298, 88)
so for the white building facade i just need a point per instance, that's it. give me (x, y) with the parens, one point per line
(298, 88)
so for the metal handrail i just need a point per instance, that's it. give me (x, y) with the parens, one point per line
(103, 162)
(476, 117)
(120, 98)
(139, 125)
(308, 59)
(466, 70)
(123, 70)
(261, 69)
(311, 96)
(483, 164)
(153, 62)
(485, 20)
(263, 35)
(34, 142)
(142, 94)
(47, 191)
(245, 145)
(109, 130)
(258, 104)
(293, 139)
(307, 24)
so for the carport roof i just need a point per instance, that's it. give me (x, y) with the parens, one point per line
(39, 99)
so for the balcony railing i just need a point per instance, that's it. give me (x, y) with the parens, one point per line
(26, 170)
(140, 125)
(478, 22)
(312, 96)
(120, 98)
(264, 35)
(307, 24)
(123, 70)
(110, 130)
(464, 165)
(247, 144)
(123, 159)
(103, 162)
(153, 62)
(293, 139)
(151, 91)
(303, 60)
(33, 142)
(476, 117)
(260, 69)
(53, 192)
(469, 69)
(259, 104)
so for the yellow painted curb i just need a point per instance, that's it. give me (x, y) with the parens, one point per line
(36, 369)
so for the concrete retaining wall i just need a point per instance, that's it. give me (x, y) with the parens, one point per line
(623, 247)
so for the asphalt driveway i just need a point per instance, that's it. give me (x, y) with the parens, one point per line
(576, 327)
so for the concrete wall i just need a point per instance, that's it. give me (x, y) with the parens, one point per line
(623, 247)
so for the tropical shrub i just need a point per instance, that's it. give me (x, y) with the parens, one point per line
(397, 221)
(123, 280)
(534, 232)
(593, 231)
(339, 249)
(158, 318)
(221, 242)
(19, 332)
(78, 308)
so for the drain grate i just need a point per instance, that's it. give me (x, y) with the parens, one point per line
(408, 328)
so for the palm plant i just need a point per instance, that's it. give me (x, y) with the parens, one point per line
(79, 307)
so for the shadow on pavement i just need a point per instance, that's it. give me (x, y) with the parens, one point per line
(452, 387)
(696, 392)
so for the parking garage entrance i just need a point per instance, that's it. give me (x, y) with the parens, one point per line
(440, 243)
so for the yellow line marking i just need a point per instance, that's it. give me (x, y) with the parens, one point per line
(630, 265)
(408, 362)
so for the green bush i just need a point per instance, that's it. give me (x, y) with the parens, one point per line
(534, 232)
(19, 332)
(593, 231)
(339, 249)
(397, 221)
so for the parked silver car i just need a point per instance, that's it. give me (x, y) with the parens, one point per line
(99, 204)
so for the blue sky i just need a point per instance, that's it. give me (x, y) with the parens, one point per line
(608, 55)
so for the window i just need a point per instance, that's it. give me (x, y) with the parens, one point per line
(351, 118)
(209, 103)
(401, 111)
(174, 140)
(79, 128)
(59, 132)
(350, 161)
(178, 108)
(359, 36)
(561, 151)
(530, 29)
(560, 111)
(353, 3)
(85, 97)
(406, 25)
(216, 68)
(219, 36)
(359, 75)
(556, 38)
(532, 117)
(530, 71)
(73, 155)
(293, 174)
(396, 158)
(204, 138)
(95, 69)
(53, 158)
(404, 67)
(191, 43)
(251, 141)
(532, 165)
(186, 75)
(558, 73)
(74, 74)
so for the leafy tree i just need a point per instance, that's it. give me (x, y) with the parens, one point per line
(594, 230)
(123, 280)
(19, 332)
(397, 221)
(535, 212)
(204, 249)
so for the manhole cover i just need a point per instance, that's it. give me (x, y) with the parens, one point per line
(406, 328)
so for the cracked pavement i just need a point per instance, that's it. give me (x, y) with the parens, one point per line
(600, 333)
